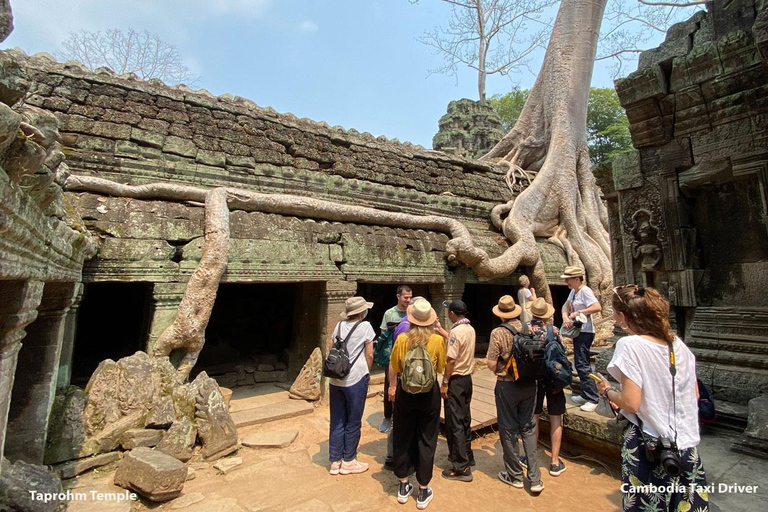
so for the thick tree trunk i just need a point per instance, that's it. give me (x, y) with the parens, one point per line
(549, 142)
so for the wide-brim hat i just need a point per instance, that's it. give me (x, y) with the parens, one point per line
(355, 305)
(540, 308)
(572, 271)
(506, 308)
(421, 313)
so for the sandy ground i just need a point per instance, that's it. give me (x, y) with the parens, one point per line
(296, 478)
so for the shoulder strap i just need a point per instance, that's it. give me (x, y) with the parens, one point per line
(550, 333)
(362, 349)
(349, 334)
(510, 328)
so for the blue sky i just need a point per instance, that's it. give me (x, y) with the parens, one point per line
(354, 63)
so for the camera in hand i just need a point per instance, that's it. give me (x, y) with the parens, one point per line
(664, 450)
(578, 323)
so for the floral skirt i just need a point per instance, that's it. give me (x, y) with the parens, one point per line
(647, 487)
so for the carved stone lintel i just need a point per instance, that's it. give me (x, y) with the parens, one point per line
(308, 384)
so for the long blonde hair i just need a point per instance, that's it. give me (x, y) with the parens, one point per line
(418, 335)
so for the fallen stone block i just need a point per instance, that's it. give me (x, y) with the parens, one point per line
(19, 478)
(229, 464)
(76, 467)
(179, 440)
(279, 439)
(153, 474)
(137, 437)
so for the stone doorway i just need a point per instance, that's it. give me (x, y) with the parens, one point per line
(113, 322)
(559, 296)
(250, 336)
(384, 296)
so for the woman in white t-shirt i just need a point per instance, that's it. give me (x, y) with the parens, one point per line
(659, 397)
(347, 395)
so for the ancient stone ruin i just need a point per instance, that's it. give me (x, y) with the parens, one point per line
(688, 207)
(468, 129)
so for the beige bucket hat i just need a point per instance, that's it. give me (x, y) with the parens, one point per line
(355, 305)
(540, 308)
(572, 271)
(506, 308)
(421, 313)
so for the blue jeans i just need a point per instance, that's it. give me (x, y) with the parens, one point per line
(347, 406)
(581, 346)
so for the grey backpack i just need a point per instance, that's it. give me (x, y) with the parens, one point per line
(418, 375)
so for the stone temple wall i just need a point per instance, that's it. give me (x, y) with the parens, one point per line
(55, 244)
(688, 210)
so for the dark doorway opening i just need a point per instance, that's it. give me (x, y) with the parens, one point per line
(113, 322)
(559, 296)
(480, 298)
(384, 296)
(250, 332)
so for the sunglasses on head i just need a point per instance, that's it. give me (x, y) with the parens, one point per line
(617, 289)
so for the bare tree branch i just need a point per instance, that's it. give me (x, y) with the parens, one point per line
(489, 36)
(129, 51)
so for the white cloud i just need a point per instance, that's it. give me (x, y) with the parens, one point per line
(308, 26)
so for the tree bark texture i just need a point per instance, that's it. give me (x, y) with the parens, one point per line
(549, 143)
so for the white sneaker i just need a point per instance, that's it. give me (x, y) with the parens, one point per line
(335, 468)
(353, 467)
(578, 399)
(589, 407)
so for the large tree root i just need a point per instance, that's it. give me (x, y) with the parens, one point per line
(187, 331)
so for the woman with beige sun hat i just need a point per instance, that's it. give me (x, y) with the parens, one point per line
(416, 416)
(581, 301)
(347, 395)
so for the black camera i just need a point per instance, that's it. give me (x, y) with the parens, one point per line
(664, 451)
(578, 323)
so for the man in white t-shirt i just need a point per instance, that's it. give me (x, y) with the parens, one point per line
(581, 301)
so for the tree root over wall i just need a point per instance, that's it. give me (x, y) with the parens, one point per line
(187, 330)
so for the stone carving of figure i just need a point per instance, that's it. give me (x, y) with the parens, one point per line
(645, 246)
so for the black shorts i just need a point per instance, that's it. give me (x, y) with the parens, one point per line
(555, 401)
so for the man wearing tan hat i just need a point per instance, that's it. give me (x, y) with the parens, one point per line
(515, 401)
(581, 301)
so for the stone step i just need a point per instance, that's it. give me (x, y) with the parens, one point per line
(277, 411)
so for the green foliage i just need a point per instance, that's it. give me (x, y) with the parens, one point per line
(509, 106)
(607, 124)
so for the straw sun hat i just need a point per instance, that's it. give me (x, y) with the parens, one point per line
(506, 308)
(540, 308)
(421, 313)
(355, 305)
(572, 271)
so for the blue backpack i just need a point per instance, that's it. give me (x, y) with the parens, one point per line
(557, 368)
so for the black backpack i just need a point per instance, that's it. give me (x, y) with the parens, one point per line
(558, 372)
(526, 362)
(337, 364)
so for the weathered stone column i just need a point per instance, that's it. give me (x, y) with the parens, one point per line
(331, 305)
(445, 291)
(68, 341)
(34, 387)
(166, 298)
(18, 307)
